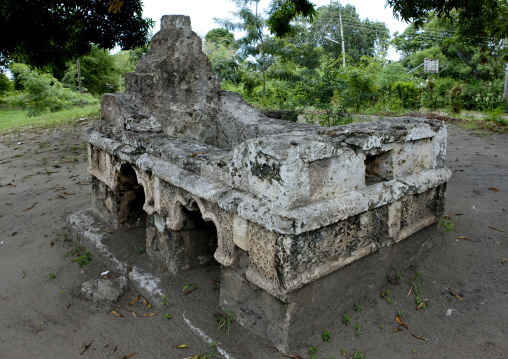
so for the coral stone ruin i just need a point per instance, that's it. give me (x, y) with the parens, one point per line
(281, 206)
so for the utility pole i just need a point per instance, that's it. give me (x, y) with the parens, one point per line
(342, 37)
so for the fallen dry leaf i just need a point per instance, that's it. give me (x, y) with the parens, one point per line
(13, 234)
(51, 244)
(198, 153)
(197, 356)
(190, 290)
(396, 330)
(456, 295)
(458, 214)
(493, 189)
(497, 229)
(29, 208)
(10, 184)
(85, 348)
(292, 356)
(109, 276)
(420, 306)
(504, 260)
(8, 204)
(68, 193)
(133, 313)
(461, 237)
(107, 231)
(83, 183)
(131, 303)
(23, 275)
(149, 315)
(146, 302)
(419, 337)
(130, 355)
(116, 313)
(399, 320)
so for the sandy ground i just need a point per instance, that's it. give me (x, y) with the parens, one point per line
(43, 180)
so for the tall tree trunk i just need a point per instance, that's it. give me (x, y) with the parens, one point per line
(505, 94)
(264, 79)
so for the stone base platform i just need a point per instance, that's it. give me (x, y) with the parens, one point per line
(284, 323)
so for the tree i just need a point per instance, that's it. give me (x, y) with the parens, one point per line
(361, 37)
(99, 72)
(283, 12)
(479, 22)
(476, 19)
(252, 23)
(50, 33)
(42, 92)
(220, 36)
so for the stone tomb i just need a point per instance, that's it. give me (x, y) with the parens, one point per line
(281, 206)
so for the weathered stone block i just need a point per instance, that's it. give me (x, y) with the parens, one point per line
(283, 207)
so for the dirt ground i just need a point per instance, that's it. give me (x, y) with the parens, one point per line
(43, 180)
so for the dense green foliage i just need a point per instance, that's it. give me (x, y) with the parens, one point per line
(49, 33)
(99, 73)
(42, 92)
(303, 70)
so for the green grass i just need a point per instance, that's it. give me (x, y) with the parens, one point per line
(15, 119)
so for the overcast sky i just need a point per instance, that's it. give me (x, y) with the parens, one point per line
(202, 13)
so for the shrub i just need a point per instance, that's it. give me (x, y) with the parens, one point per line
(408, 93)
(42, 92)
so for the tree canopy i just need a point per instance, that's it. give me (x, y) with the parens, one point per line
(49, 33)
(477, 20)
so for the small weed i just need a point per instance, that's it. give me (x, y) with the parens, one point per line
(48, 172)
(137, 251)
(44, 161)
(389, 301)
(226, 320)
(447, 224)
(83, 260)
(357, 307)
(212, 353)
(165, 299)
(52, 275)
(327, 336)
(400, 313)
(167, 316)
(343, 352)
(381, 326)
(345, 319)
(399, 276)
(76, 250)
(61, 291)
(417, 286)
(414, 351)
(357, 355)
(313, 352)
(358, 328)
(387, 291)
